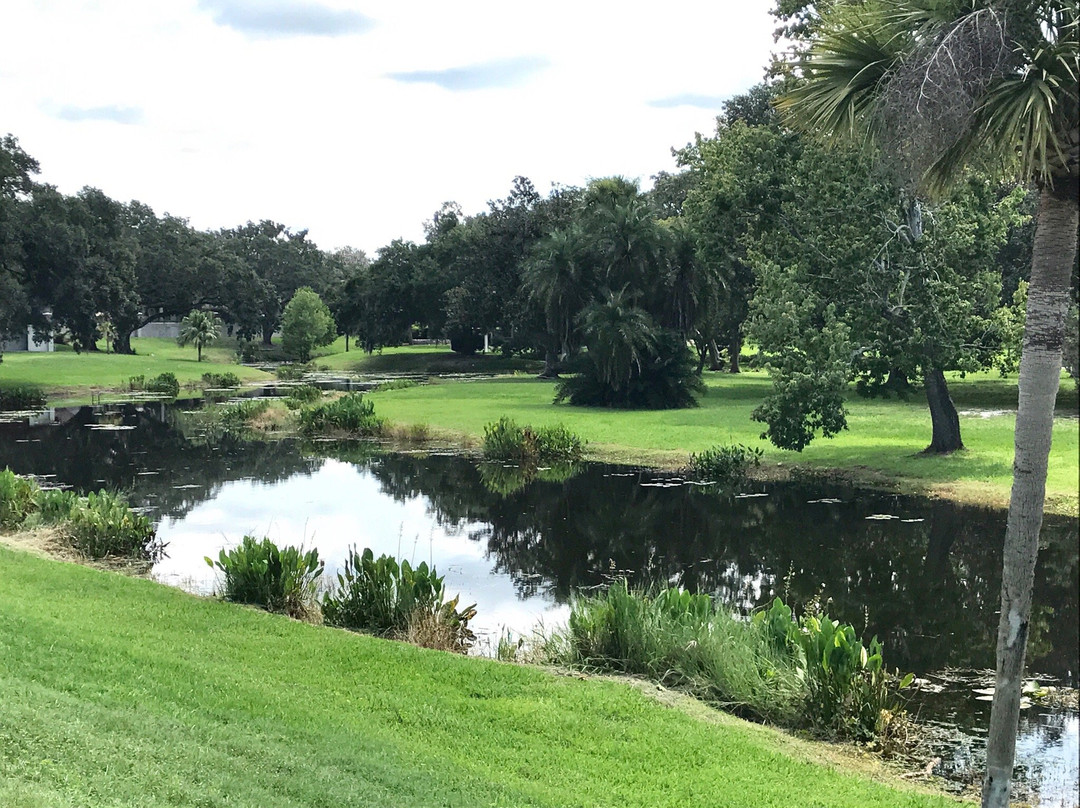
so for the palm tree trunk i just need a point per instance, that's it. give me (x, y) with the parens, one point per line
(1040, 372)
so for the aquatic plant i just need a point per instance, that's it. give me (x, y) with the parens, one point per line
(506, 440)
(18, 499)
(228, 379)
(21, 397)
(102, 525)
(849, 692)
(302, 394)
(56, 505)
(164, 384)
(281, 580)
(291, 372)
(349, 413)
(385, 597)
(684, 640)
(725, 464)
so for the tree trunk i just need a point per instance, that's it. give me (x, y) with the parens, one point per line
(122, 343)
(734, 349)
(346, 342)
(267, 335)
(714, 356)
(943, 417)
(551, 366)
(1040, 372)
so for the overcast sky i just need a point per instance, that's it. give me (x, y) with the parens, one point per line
(357, 120)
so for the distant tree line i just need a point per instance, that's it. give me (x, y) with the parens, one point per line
(831, 267)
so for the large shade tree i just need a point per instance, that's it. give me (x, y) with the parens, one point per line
(944, 84)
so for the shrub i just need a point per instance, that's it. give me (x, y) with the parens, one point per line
(396, 384)
(665, 378)
(165, 384)
(384, 597)
(302, 394)
(727, 465)
(349, 413)
(103, 525)
(278, 580)
(21, 397)
(505, 440)
(18, 499)
(228, 379)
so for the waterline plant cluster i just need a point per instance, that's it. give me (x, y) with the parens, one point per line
(98, 525)
(812, 673)
(375, 595)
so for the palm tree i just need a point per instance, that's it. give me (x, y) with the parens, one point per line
(620, 337)
(557, 279)
(199, 328)
(995, 82)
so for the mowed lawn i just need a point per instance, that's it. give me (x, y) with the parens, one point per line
(123, 692)
(884, 440)
(67, 375)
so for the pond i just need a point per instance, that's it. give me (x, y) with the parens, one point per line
(923, 575)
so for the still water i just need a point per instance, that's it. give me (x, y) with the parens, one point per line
(922, 575)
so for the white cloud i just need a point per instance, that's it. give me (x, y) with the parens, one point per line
(225, 123)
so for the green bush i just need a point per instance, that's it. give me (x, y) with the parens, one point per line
(395, 384)
(136, 384)
(384, 597)
(505, 440)
(103, 525)
(302, 394)
(21, 397)
(221, 381)
(727, 465)
(279, 580)
(18, 499)
(236, 415)
(349, 413)
(164, 384)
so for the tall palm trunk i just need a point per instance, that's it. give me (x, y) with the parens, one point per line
(1040, 372)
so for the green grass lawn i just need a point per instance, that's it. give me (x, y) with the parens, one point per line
(123, 692)
(884, 440)
(68, 376)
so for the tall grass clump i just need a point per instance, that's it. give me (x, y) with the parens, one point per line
(726, 465)
(683, 640)
(21, 397)
(350, 413)
(18, 499)
(506, 440)
(811, 673)
(281, 580)
(384, 597)
(221, 381)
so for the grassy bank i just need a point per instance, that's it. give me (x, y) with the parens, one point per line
(120, 692)
(66, 376)
(424, 359)
(882, 445)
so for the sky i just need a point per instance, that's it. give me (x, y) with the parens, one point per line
(357, 120)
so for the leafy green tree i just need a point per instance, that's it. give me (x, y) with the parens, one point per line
(942, 85)
(199, 328)
(16, 184)
(306, 324)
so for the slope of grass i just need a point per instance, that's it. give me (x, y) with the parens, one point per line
(427, 359)
(121, 692)
(883, 443)
(66, 375)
